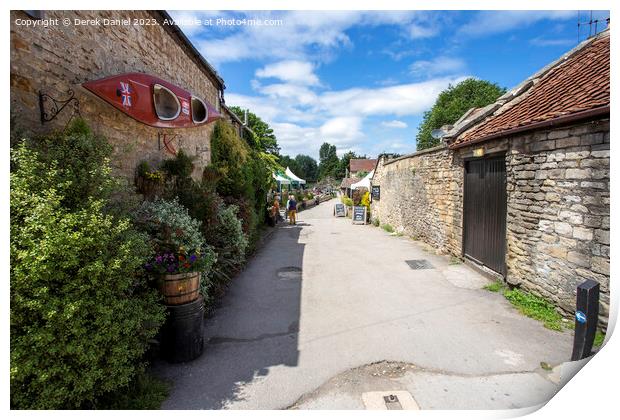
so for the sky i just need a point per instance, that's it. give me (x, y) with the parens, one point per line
(363, 80)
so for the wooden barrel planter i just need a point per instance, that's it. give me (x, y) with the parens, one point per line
(179, 289)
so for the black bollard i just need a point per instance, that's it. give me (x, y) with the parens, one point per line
(586, 319)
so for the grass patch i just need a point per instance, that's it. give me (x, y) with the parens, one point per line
(530, 305)
(494, 287)
(599, 337)
(387, 227)
(455, 261)
(146, 392)
(536, 308)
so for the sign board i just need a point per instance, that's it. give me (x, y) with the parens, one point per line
(339, 210)
(359, 215)
(376, 192)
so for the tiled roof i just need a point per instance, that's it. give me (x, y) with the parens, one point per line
(347, 182)
(579, 82)
(357, 165)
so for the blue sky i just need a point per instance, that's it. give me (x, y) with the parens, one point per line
(362, 80)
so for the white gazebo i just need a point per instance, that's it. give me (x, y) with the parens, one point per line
(294, 178)
(364, 183)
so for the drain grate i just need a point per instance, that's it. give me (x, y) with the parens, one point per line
(289, 273)
(419, 264)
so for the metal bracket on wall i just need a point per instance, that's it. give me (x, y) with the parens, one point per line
(57, 106)
(166, 141)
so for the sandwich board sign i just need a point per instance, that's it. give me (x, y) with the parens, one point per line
(359, 215)
(339, 210)
(376, 192)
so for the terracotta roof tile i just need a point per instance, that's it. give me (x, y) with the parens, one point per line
(579, 83)
(357, 165)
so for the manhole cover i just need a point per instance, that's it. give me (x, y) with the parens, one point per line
(289, 273)
(389, 400)
(419, 264)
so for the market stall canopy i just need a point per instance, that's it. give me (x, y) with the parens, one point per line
(364, 183)
(294, 177)
(281, 178)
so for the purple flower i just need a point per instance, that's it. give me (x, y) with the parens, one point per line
(158, 259)
(192, 258)
(171, 268)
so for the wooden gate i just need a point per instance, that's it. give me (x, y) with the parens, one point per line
(484, 213)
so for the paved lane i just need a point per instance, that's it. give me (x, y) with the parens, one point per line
(282, 334)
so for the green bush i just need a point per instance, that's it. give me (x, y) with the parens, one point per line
(347, 201)
(388, 228)
(170, 226)
(82, 164)
(230, 243)
(81, 313)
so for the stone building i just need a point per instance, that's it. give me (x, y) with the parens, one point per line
(53, 59)
(521, 187)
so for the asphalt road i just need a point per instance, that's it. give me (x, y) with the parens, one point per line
(308, 320)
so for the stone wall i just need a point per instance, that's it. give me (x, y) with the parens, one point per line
(58, 58)
(557, 211)
(421, 196)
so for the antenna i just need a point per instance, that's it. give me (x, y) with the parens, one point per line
(591, 22)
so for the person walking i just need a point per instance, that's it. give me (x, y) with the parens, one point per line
(291, 206)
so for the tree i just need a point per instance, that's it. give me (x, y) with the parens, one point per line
(452, 103)
(328, 161)
(265, 138)
(345, 160)
(287, 161)
(308, 168)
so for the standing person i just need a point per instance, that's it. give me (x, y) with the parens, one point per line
(276, 208)
(291, 206)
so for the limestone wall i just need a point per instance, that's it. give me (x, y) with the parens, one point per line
(421, 196)
(58, 58)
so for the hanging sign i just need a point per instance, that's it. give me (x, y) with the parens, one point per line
(359, 215)
(376, 192)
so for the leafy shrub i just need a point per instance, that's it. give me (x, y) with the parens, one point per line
(170, 226)
(230, 243)
(366, 200)
(388, 228)
(376, 222)
(82, 164)
(81, 314)
(347, 201)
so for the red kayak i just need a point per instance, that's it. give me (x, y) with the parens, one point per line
(153, 101)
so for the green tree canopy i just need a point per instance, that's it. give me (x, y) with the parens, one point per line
(265, 138)
(343, 165)
(308, 168)
(328, 161)
(452, 103)
(286, 160)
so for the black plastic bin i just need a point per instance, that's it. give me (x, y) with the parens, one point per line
(182, 334)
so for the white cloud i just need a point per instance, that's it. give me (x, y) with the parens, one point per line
(394, 124)
(303, 119)
(547, 42)
(407, 99)
(492, 22)
(416, 31)
(302, 35)
(437, 66)
(294, 71)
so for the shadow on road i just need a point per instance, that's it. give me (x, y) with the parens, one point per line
(255, 328)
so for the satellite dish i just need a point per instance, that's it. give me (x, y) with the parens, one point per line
(438, 133)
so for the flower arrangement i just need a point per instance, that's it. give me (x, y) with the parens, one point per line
(178, 262)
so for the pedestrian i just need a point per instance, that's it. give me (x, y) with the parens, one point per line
(276, 208)
(291, 207)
